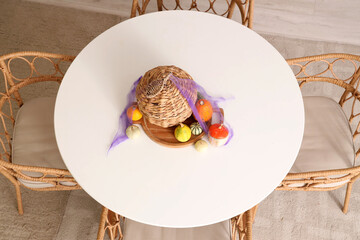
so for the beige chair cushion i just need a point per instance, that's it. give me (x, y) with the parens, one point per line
(327, 142)
(34, 142)
(138, 231)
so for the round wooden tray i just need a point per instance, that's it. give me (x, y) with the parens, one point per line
(165, 136)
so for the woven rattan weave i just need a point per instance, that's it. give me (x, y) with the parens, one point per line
(159, 100)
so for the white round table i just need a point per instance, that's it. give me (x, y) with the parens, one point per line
(170, 187)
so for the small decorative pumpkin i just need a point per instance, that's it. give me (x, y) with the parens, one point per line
(133, 132)
(218, 134)
(201, 146)
(196, 128)
(134, 113)
(182, 133)
(205, 109)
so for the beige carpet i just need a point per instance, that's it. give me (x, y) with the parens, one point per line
(65, 215)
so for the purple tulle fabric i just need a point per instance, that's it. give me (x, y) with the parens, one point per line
(183, 85)
(124, 121)
(180, 83)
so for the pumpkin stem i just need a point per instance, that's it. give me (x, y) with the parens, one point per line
(167, 77)
(181, 125)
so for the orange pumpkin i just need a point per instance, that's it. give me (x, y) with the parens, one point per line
(205, 110)
(218, 134)
(134, 113)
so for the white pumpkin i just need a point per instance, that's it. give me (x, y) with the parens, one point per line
(133, 132)
(201, 146)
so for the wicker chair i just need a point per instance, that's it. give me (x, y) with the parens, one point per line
(29, 156)
(330, 148)
(246, 8)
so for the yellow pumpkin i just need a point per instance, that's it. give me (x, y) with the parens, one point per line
(182, 133)
(134, 113)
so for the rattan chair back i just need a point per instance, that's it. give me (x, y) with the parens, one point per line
(219, 7)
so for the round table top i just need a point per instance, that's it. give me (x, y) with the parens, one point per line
(180, 187)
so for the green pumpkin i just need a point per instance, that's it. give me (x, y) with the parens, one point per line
(196, 128)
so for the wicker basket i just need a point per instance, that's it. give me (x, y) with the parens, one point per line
(159, 100)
